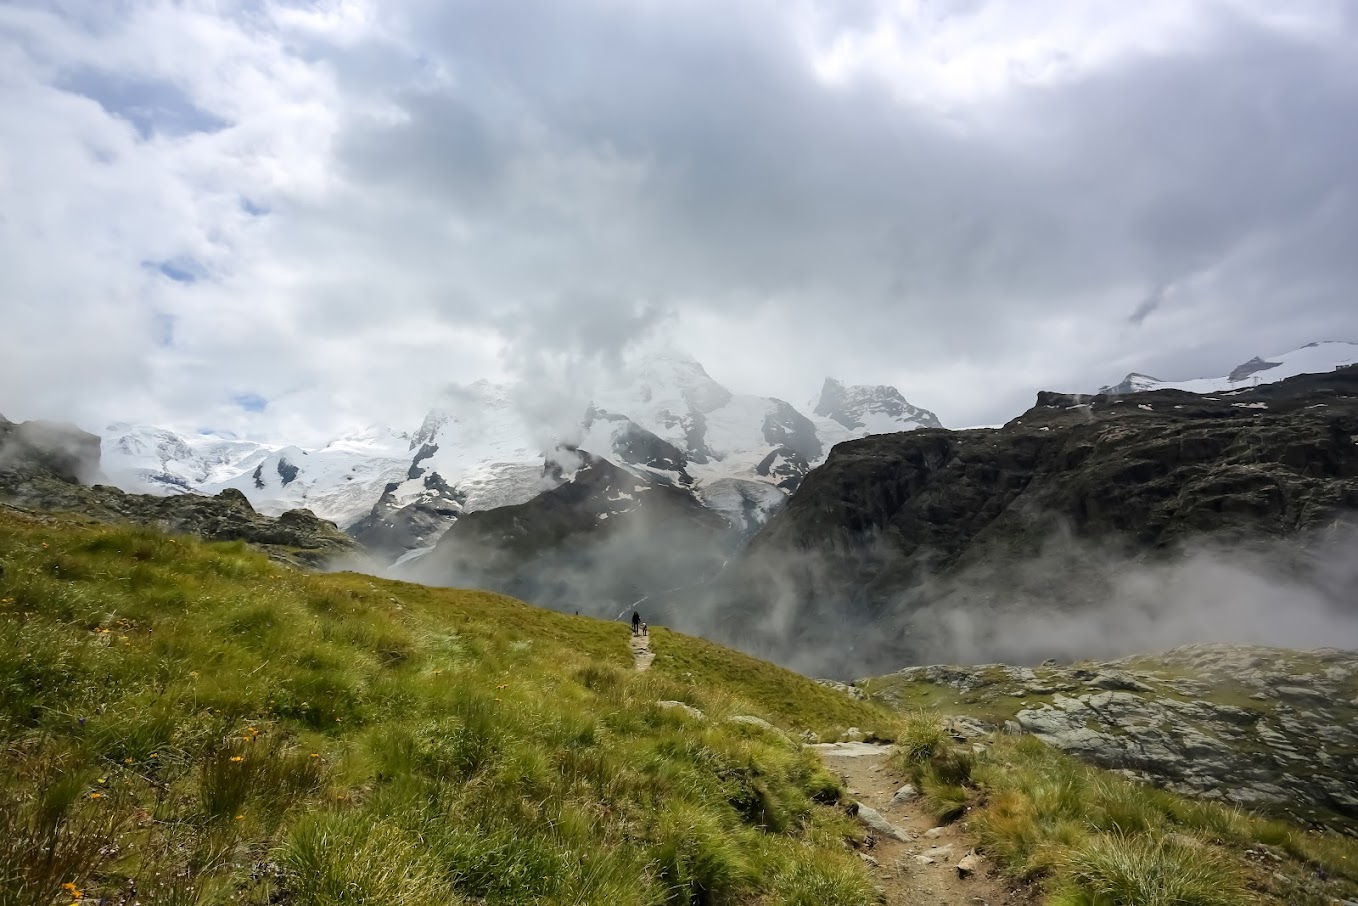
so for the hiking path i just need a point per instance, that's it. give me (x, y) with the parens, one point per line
(922, 868)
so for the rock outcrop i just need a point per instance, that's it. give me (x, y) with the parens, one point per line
(43, 465)
(1264, 728)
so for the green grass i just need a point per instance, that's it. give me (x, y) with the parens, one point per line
(1092, 838)
(197, 724)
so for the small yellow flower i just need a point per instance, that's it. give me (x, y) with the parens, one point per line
(102, 780)
(240, 817)
(155, 755)
(127, 761)
(315, 755)
(96, 795)
(236, 758)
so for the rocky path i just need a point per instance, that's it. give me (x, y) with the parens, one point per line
(913, 862)
(642, 655)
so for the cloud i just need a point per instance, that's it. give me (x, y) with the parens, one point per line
(348, 205)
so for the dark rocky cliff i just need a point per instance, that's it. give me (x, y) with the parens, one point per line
(895, 523)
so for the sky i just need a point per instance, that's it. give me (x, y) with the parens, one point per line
(288, 218)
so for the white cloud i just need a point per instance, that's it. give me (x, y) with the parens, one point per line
(969, 200)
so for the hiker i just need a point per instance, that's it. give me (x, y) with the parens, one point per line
(636, 622)
(645, 630)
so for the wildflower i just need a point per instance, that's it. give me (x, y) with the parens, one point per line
(235, 758)
(96, 795)
(155, 755)
(127, 761)
(102, 780)
(240, 817)
(75, 893)
(315, 755)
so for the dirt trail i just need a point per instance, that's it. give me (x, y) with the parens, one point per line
(641, 651)
(922, 870)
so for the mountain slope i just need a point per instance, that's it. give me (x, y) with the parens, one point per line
(594, 544)
(45, 466)
(1314, 358)
(933, 542)
(221, 729)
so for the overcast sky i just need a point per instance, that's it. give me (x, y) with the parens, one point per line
(286, 218)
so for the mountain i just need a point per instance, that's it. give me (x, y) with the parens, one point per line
(875, 410)
(943, 543)
(1314, 358)
(339, 481)
(599, 541)
(662, 419)
(48, 467)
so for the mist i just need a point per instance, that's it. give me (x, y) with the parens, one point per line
(1074, 598)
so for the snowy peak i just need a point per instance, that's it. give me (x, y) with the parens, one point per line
(667, 376)
(1132, 383)
(662, 419)
(1313, 358)
(871, 410)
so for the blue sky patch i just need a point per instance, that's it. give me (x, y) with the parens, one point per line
(152, 107)
(250, 402)
(180, 270)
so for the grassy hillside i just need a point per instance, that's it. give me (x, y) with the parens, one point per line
(183, 722)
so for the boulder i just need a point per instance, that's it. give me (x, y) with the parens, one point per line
(877, 823)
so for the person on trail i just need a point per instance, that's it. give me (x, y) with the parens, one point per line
(636, 622)
(645, 630)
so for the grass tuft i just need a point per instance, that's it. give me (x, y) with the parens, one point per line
(1116, 869)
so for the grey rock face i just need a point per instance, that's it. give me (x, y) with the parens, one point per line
(1259, 727)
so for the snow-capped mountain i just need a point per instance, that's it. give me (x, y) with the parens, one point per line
(1313, 358)
(339, 481)
(872, 410)
(664, 419)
